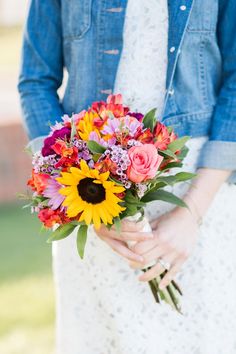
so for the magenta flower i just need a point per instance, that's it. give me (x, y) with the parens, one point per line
(138, 116)
(63, 133)
(52, 192)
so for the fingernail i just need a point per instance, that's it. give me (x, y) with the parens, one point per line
(141, 259)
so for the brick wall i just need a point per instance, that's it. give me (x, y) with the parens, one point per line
(15, 164)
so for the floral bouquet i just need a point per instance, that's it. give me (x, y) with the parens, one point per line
(101, 166)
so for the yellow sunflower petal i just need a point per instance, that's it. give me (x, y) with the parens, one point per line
(104, 176)
(77, 173)
(83, 165)
(88, 213)
(96, 219)
(65, 191)
(67, 179)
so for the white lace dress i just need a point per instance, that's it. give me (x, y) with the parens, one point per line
(102, 308)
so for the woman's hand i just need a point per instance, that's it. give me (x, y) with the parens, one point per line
(175, 235)
(130, 231)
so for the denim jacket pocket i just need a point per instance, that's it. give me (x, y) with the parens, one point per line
(204, 16)
(76, 18)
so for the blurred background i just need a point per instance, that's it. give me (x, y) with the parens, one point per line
(26, 288)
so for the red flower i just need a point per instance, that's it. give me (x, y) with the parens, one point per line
(38, 182)
(113, 105)
(145, 136)
(51, 217)
(69, 155)
(161, 136)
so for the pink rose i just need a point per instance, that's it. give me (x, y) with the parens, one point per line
(145, 162)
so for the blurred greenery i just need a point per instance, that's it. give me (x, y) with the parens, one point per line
(26, 288)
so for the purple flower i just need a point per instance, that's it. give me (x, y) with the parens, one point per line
(52, 192)
(127, 125)
(138, 116)
(95, 137)
(63, 133)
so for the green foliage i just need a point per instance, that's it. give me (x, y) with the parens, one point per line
(167, 154)
(117, 223)
(133, 204)
(178, 144)
(179, 177)
(62, 232)
(164, 196)
(95, 148)
(149, 119)
(81, 239)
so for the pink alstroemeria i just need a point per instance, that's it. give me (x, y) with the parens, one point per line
(52, 192)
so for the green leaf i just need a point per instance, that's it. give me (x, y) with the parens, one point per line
(95, 147)
(131, 199)
(183, 153)
(61, 232)
(167, 154)
(179, 177)
(165, 197)
(149, 119)
(172, 165)
(81, 239)
(117, 223)
(178, 144)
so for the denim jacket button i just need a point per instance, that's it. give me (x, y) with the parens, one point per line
(172, 49)
(111, 51)
(183, 7)
(115, 9)
(106, 92)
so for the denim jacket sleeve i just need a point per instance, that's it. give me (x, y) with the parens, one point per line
(220, 151)
(42, 67)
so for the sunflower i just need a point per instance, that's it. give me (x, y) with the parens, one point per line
(91, 195)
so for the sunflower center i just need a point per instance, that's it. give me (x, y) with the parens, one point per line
(91, 192)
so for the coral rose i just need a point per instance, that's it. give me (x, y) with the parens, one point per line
(145, 162)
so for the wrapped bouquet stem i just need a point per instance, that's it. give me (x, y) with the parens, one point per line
(102, 165)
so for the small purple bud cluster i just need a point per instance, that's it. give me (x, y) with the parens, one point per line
(121, 158)
(84, 152)
(43, 164)
(133, 142)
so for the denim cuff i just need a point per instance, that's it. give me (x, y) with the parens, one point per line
(36, 144)
(219, 155)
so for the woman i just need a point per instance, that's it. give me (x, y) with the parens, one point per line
(180, 57)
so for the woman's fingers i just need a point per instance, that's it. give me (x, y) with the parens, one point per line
(131, 226)
(155, 253)
(146, 245)
(122, 249)
(152, 273)
(124, 235)
(171, 274)
(158, 268)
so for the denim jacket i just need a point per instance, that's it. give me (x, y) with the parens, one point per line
(84, 37)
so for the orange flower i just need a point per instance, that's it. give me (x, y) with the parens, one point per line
(38, 182)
